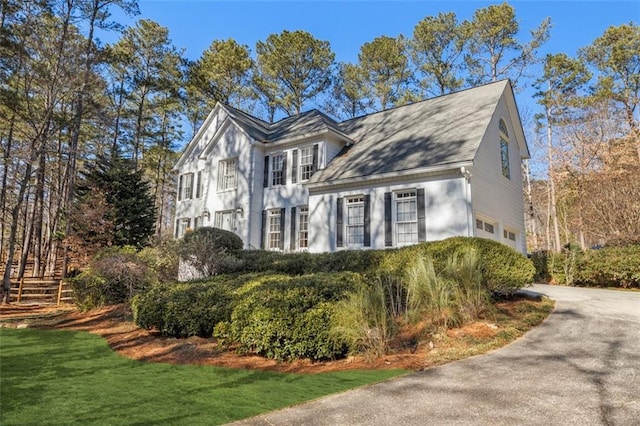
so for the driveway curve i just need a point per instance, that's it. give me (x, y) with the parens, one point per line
(580, 367)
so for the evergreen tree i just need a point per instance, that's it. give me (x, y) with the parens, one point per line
(128, 206)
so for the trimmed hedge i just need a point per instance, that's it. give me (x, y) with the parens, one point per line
(286, 317)
(504, 269)
(185, 309)
(611, 266)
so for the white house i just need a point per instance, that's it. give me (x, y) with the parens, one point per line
(442, 167)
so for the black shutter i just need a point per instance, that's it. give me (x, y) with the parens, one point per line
(177, 227)
(265, 182)
(422, 223)
(283, 211)
(293, 228)
(263, 238)
(294, 166)
(339, 208)
(314, 161)
(180, 182)
(367, 220)
(388, 222)
(284, 168)
(199, 180)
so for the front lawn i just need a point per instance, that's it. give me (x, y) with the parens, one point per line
(71, 377)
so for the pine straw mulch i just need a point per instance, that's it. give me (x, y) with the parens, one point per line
(116, 326)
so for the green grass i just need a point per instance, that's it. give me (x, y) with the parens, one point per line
(67, 377)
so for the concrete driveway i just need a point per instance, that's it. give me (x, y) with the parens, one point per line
(580, 367)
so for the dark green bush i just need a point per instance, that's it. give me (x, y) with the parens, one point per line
(617, 266)
(114, 276)
(503, 269)
(284, 317)
(185, 309)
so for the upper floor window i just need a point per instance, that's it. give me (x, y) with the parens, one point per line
(277, 169)
(227, 175)
(355, 221)
(306, 163)
(185, 187)
(199, 184)
(406, 217)
(504, 149)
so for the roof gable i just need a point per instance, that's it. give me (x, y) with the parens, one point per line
(435, 132)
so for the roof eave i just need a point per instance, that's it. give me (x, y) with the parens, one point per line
(430, 171)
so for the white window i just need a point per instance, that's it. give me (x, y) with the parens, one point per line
(509, 235)
(504, 149)
(303, 227)
(274, 230)
(306, 163)
(485, 226)
(183, 227)
(225, 220)
(185, 187)
(406, 217)
(227, 175)
(277, 169)
(355, 221)
(199, 184)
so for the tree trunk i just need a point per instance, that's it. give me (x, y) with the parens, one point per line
(552, 188)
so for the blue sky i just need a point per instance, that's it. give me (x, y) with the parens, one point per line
(193, 25)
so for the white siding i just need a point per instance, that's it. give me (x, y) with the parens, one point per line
(495, 197)
(446, 211)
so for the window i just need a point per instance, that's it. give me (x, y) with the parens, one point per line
(182, 227)
(225, 220)
(303, 228)
(502, 126)
(306, 163)
(406, 218)
(504, 149)
(504, 156)
(509, 235)
(485, 226)
(199, 184)
(185, 187)
(355, 221)
(274, 233)
(227, 175)
(277, 169)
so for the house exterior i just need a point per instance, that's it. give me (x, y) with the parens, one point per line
(446, 166)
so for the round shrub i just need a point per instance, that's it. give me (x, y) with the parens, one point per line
(209, 250)
(285, 317)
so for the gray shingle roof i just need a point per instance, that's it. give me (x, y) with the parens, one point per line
(310, 122)
(435, 132)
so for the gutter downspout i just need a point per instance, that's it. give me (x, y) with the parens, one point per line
(467, 193)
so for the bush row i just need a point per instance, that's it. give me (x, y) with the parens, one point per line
(278, 316)
(613, 266)
(503, 268)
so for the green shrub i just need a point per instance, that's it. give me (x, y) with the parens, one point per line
(503, 269)
(363, 321)
(185, 309)
(284, 317)
(162, 256)
(616, 266)
(114, 276)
